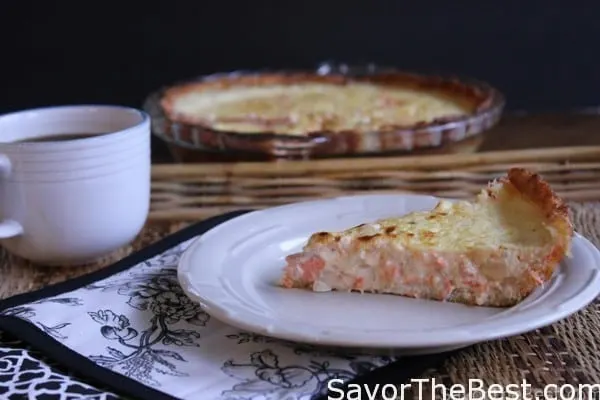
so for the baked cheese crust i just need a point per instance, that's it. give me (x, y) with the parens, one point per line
(301, 105)
(493, 251)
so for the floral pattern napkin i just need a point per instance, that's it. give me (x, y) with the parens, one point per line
(137, 333)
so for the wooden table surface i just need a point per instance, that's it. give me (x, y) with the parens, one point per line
(521, 131)
(515, 131)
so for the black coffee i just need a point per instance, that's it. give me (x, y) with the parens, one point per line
(58, 137)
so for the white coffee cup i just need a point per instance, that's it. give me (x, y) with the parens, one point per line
(68, 202)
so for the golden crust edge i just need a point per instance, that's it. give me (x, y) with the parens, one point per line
(538, 191)
(556, 213)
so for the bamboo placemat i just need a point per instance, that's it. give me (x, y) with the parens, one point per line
(196, 191)
(565, 352)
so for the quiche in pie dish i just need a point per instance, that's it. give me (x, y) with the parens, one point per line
(493, 251)
(297, 113)
(298, 105)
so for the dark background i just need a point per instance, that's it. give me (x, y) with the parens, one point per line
(543, 54)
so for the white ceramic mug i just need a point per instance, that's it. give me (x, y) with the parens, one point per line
(72, 201)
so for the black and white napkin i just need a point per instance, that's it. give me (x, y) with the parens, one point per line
(129, 330)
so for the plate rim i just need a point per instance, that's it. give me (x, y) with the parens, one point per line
(584, 297)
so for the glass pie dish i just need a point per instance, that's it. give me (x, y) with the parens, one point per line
(334, 111)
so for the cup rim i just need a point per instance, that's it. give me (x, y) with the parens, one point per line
(75, 144)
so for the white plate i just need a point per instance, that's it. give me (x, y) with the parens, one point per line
(232, 270)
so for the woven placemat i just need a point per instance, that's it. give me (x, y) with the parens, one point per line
(565, 352)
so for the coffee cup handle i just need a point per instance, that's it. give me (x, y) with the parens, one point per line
(8, 227)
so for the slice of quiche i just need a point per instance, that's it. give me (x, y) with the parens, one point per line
(493, 251)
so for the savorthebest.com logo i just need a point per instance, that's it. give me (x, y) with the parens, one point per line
(476, 389)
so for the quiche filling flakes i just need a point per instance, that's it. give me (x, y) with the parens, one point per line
(493, 251)
(298, 108)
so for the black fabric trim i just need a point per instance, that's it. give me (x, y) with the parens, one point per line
(399, 371)
(81, 366)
